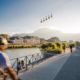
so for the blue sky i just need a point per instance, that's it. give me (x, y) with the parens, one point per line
(23, 16)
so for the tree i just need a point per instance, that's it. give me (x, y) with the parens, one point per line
(54, 39)
(44, 46)
(77, 43)
(58, 44)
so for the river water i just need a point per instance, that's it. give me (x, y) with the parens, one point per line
(14, 53)
(33, 55)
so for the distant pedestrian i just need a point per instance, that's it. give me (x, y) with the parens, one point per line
(71, 48)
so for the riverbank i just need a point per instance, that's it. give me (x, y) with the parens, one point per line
(15, 46)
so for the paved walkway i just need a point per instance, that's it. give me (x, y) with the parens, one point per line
(71, 69)
(61, 67)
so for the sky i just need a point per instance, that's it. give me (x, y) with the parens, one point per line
(23, 16)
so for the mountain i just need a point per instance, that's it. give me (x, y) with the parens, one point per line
(21, 35)
(48, 33)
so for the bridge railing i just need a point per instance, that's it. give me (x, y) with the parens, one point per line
(21, 64)
(24, 63)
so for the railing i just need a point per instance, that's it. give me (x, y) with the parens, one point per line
(26, 62)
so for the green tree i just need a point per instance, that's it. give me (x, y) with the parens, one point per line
(44, 46)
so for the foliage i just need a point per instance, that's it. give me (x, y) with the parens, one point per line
(64, 46)
(48, 46)
(77, 43)
(57, 51)
(53, 39)
(20, 46)
(53, 47)
(44, 46)
(58, 44)
(57, 47)
(72, 44)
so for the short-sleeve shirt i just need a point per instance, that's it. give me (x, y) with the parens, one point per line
(4, 60)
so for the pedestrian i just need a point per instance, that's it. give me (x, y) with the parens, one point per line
(18, 66)
(22, 64)
(5, 61)
(71, 47)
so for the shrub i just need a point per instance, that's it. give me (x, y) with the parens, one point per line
(44, 46)
(54, 46)
(63, 46)
(58, 44)
(49, 49)
(48, 46)
(57, 51)
(77, 43)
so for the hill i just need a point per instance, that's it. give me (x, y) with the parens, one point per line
(48, 33)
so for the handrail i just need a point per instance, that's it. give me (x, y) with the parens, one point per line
(27, 63)
(24, 62)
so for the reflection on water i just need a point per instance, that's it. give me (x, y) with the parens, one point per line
(14, 53)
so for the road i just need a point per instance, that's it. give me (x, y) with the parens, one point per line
(61, 67)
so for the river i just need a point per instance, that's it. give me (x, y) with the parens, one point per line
(14, 53)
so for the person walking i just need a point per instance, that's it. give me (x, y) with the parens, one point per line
(71, 48)
(19, 66)
(5, 61)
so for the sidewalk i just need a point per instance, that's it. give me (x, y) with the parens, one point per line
(49, 69)
(71, 69)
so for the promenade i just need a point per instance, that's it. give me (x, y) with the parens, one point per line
(61, 67)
